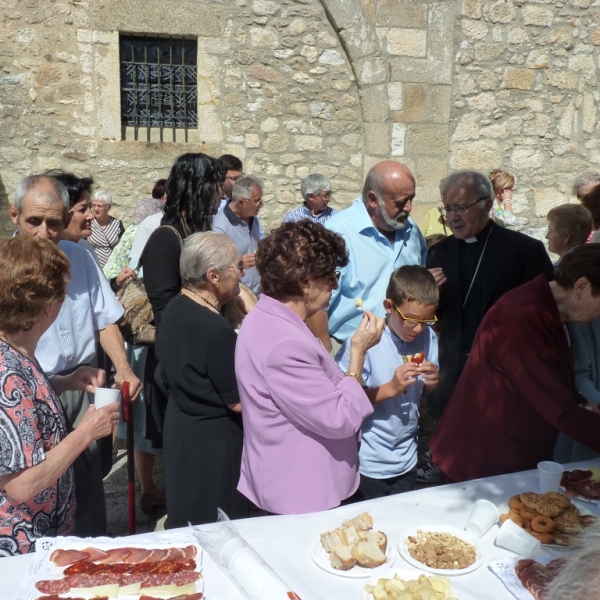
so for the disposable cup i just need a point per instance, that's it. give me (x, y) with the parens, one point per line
(104, 396)
(517, 540)
(483, 515)
(550, 474)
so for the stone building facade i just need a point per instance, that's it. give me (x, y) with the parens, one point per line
(300, 86)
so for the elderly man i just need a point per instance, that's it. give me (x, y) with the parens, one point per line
(39, 210)
(380, 237)
(316, 191)
(239, 221)
(482, 261)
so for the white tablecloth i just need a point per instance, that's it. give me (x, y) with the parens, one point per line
(284, 541)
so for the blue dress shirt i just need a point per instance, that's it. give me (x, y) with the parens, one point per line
(303, 212)
(372, 261)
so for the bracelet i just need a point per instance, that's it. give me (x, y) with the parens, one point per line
(356, 376)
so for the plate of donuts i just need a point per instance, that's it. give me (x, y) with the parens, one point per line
(551, 518)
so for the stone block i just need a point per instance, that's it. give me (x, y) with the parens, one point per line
(265, 8)
(371, 70)
(519, 79)
(474, 30)
(563, 80)
(538, 16)
(407, 42)
(395, 97)
(565, 125)
(487, 52)
(331, 57)
(419, 70)
(439, 107)
(539, 125)
(430, 171)
(502, 12)
(321, 110)
(483, 155)
(595, 37)
(311, 143)
(157, 16)
(547, 198)
(401, 13)
(398, 139)
(252, 140)
(487, 80)
(374, 103)
(472, 8)
(427, 139)
(589, 110)
(468, 128)
(269, 125)
(516, 35)
(414, 103)
(377, 139)
(265, 73)
(485, 102)
(582, 63)
(264, 37)
(526, 158)
(537, 59)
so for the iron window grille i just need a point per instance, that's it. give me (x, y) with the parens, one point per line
(158, 84)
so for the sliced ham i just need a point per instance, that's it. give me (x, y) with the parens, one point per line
(95, 554)
(177, 554)
(62, 558)
(190, 552)
(158, 555)
(137, 555)
(115, 555)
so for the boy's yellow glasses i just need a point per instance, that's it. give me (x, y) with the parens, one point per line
(412, 323)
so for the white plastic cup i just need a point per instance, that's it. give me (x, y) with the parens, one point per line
(483, 515)
(104, 396)
(516, 539)
(550, 474)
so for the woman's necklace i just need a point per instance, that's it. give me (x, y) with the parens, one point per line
(19, 349)
(214, 306)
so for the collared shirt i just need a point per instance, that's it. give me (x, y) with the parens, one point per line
(142, 235)
(389, 435)
(372, 261)
(245, 236)
(89, 306)
(303, 212)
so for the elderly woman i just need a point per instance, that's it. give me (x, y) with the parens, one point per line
(202, 441)
(591, 201)
(569, 226)
(504, 185)
(106, 230)
(302, 414)
(516, 391)
(36, 449)
(316, 191)
(584, 184)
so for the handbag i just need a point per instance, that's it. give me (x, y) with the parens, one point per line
(136, 325)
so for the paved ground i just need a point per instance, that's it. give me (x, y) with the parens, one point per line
(115, 485)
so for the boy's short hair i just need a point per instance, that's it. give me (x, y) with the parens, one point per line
(413, 283)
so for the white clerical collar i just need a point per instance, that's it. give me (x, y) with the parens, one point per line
(471, 240)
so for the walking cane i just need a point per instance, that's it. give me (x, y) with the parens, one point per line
(128, 418)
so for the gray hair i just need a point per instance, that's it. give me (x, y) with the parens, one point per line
(585, 179)
(477, 182)
(30, 182)
(374, 182)
(580, 577)
(204, 251)
(244, 185)
(102, 196)
(144, 208)
(314, 183)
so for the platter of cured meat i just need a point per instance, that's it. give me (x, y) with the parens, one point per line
(536, 577)
(132, 572)
(582, 484)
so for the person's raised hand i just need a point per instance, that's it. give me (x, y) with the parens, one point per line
(368, 332)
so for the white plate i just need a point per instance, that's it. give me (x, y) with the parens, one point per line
(406, 574)
(459, 533)
(321, 559)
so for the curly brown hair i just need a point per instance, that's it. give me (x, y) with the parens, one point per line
(33, 274)
(296, 251)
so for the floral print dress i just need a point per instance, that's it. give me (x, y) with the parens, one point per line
(32, 422)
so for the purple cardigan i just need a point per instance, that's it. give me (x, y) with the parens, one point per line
(301, 415)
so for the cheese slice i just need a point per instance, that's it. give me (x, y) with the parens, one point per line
(161, 590)
(131, 590)
(188, 589)
(111, 590)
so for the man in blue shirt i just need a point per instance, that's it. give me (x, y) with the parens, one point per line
(380, 237)
(316, 191)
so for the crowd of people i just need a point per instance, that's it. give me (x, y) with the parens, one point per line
(289, 367)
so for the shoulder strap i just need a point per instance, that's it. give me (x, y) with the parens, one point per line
(140, 261)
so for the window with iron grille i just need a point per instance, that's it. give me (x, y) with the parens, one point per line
(159, 95)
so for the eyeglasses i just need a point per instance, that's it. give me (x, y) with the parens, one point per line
(459, 210)
(325, 195)
(239, 267)
(255, 202)
(335, 278)
(412, 323)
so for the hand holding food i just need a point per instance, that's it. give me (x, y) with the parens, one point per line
(404, 376)
(429, 372)
(417, 358)
(368, 332)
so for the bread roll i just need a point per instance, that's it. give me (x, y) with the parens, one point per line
(362, 522)
(368, 554)
(341, 558)
(331, 539)
(379, 538)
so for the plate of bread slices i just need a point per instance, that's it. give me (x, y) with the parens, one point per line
(353, 549)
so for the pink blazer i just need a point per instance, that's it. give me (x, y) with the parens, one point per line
(301, 415)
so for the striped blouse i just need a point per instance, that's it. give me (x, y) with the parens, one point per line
(104, 239)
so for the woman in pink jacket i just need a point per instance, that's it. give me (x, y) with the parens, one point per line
(302, 414)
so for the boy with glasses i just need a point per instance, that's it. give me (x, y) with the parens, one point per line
(397, 372)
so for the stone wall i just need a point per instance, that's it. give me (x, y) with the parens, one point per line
(300, 86)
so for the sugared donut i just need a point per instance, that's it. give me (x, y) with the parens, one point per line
(544, 538)
(529, 499)
(547, 507)
(528, 513)
(542, 524)
(515, 503)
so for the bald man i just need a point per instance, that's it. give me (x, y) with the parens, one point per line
(380, 237)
